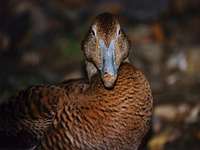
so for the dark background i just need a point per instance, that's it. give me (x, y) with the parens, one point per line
(40, 43)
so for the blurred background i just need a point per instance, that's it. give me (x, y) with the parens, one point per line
(40, 43)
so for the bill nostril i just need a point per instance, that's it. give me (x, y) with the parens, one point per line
(107, 75)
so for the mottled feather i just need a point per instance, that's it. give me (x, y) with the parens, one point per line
(97, 118)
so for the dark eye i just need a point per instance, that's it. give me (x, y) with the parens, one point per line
(119, 32)
(92, 32)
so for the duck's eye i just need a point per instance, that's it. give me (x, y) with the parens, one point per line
(92, 32)
(119, 32)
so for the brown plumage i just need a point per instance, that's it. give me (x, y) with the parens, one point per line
(27, 116)
(112, 111)
(97, 118)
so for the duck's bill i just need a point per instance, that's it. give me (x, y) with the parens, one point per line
(109, 67)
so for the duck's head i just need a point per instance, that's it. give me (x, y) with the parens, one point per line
(105, 47)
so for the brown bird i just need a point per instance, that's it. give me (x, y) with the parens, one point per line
(112, 111)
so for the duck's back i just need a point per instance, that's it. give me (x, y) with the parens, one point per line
(100, 118)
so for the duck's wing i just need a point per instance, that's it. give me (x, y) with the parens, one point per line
(74, 86)
(25, 118)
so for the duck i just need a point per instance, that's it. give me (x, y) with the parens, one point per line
(112, 109)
